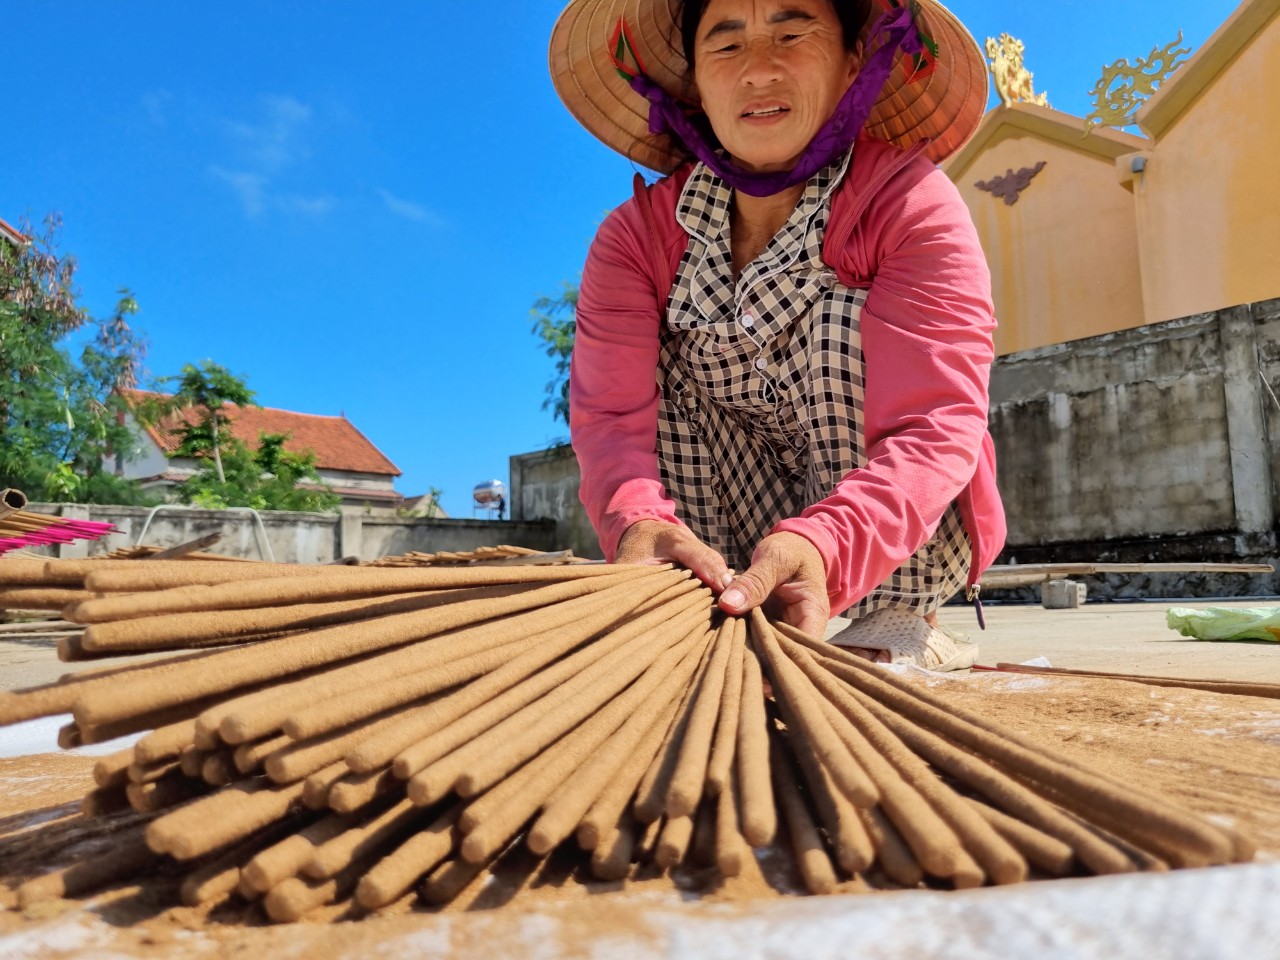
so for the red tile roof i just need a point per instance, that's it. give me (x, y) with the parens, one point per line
(359, 493)
(338, 445)
(12, 233)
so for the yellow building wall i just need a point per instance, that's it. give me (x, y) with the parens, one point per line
(1208, 204)
(1064, 259)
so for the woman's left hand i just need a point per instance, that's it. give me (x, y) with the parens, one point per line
(787, 570)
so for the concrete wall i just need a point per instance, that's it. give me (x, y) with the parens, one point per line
(1149, 444)
(299, 537)
(544, 484)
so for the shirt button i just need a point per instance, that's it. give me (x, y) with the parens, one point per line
(748, 320)
(762, 363)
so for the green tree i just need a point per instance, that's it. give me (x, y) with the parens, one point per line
(207, 390)
(61, 417)
(555, 321)
(232, 475)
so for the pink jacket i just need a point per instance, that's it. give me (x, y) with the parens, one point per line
(899, 229)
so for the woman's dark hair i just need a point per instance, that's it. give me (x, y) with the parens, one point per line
(853, 16)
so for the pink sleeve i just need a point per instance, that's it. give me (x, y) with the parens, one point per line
(613, 390)
(927, 330)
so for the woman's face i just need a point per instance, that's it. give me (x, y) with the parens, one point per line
(770, 73)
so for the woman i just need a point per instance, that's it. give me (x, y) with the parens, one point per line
(783, 348)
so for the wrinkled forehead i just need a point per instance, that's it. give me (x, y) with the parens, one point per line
(721, 14)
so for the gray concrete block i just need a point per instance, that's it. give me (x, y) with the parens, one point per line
(1063, 594)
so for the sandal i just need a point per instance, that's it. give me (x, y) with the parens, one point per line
(899, 636)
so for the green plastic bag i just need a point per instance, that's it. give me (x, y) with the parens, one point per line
(1226, 623)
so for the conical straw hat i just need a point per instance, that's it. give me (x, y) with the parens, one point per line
(946, 104)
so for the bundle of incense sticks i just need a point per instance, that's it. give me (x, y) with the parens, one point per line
(503, 553)
(22, 528)
(364, 733)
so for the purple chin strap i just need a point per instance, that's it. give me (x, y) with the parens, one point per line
(895, 31)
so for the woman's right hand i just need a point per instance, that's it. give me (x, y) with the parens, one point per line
(656, 541)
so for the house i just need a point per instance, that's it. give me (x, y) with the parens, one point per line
(345, 458)
(1095, 233)
(12, 234)
(1136, 278)
(1056, 224)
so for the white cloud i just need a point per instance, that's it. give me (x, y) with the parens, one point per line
(248, 187)
(308, 206)
(408, 209)
(276, 137)
(267, 147)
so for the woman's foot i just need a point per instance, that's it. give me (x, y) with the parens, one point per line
(899, 636)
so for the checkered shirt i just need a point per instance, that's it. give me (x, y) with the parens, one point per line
(762, 390)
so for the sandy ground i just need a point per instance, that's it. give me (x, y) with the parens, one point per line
(1116, 638)
(1218, 755)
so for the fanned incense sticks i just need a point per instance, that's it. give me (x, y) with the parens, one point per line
(21, 528)
(360, 733)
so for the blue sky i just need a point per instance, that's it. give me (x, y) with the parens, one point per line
(355, 205)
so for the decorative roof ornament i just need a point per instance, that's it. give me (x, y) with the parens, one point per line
(1013, 80)
(1009, 187)
(1125, 87)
